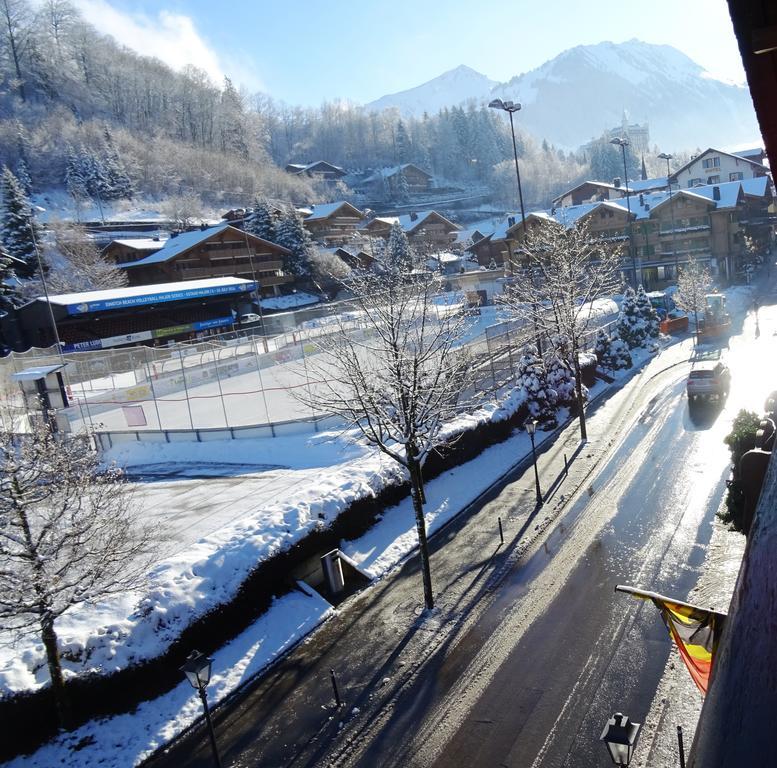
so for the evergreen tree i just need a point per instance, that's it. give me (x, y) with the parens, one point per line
(612, 352)
(7, 275)
(75, 179)
(399, 255)
(118, 183)
(23, 177)
(19, 231)
(644, 169)
(648, 314)
(532, 380)
(292, 234)
(402, 188)
(631, 327)
(260, 220)
(402, 144)
(561, 376)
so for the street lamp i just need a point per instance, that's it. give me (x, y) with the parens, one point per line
(665, 156)
(512, 107)
(619, 736)
(623, 143)
(197, 671)
(531, 428)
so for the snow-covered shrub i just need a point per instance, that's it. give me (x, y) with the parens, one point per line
(533, 384)
(601, 345)
(647, 313)
(631, 327)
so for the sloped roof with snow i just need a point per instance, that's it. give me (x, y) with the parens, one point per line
(387, 173)
(325, 210)
(175, 246)
(142, 243)
(718, 152)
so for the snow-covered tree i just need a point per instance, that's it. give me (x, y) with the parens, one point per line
(68, 535)
(401, 188)
(7, 278)
(182, 211)
(693, 283)
(22, 174)
(398, 256)
(260, 221)
(19, 230)
(563, 270)
(532, 382)
(631, 326)
(561, 374)
(399, 380)
(291, 234)
(75, 263)
(649, 316)
(118, 185)
(612, 352)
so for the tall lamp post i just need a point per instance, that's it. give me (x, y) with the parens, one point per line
(512, 107)
(665, 156)
(619, 736)
(531, 428)
(197, 671)
(623, 143)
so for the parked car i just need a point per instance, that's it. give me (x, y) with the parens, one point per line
(708, 383)
(248, 318)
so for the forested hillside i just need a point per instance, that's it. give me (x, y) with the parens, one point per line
(69, 92)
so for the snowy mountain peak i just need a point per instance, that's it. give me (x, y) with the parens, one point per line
(585, 90)
(448, 90)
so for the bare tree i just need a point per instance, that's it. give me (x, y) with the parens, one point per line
(560, 272)
(399, 378)
(182, 211)
(68, 536)
(693, 283)
(76, 263)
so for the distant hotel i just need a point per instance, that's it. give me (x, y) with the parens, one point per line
(638, 135)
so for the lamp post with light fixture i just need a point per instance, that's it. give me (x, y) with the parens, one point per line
(511, 107)
(623, 143)
(531, 428)
(619, 736)
(197, 670)
(665, 156)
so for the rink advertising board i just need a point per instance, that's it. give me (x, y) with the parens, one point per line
(123, 302)
(158, 333)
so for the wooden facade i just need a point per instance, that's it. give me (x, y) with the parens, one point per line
(221, 251)
(428, 230)
(333, 224)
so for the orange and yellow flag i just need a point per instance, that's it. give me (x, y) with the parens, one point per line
(695, 631)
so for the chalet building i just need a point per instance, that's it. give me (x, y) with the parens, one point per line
(428, 229)
(387, 179)
(320, 169)
(355, 258)
(218, 251)
(597, 191)
(715, 167)
(757, 155)
(333, 223)
(132, 249)
(707, 224)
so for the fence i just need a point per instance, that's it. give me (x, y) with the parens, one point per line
(226, 384)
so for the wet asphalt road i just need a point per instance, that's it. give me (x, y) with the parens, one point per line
(533, 651)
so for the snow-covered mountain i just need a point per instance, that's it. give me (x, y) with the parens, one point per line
(449, 89)
(585, 90)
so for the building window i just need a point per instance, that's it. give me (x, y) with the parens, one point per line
(695, 183)
(713, 180)
(737, 176)
(710, 162)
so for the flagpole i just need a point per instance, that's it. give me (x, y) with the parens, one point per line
(647, 595)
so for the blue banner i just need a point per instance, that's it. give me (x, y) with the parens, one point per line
(122, 302)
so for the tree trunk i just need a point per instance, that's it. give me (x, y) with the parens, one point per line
(579, 390)
(420, 523)
(49, 636)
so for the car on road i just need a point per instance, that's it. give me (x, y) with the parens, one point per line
(708, 383)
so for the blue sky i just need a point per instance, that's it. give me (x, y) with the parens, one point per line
(308, 52)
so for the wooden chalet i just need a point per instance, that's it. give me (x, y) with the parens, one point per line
(218, 251)
(427, 228)
(321, 169)
(333, 223)
(418, 180)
